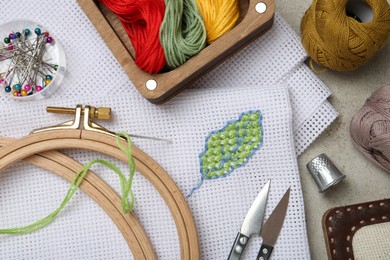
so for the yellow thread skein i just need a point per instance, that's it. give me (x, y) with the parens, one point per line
(219, 16)
(339, 42)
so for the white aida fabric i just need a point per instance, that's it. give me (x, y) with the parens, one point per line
(218, 207)
(94, 77)
(310, 120)
(305, 88)
(306, 133)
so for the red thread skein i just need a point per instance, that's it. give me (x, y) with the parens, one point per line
(142, 19)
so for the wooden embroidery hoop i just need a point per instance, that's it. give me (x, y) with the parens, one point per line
(99, 191)
(96, 138)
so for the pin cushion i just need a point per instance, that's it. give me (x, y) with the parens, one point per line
(32, 61)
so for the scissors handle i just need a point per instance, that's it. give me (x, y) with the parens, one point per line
(238, 246)
(265, 252)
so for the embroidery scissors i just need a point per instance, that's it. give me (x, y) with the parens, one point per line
(253, 223)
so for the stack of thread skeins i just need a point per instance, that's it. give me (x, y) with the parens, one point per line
(344, 34)
(370, 128)
(165, 34)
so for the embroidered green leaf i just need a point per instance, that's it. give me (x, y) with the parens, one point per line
(230, 147)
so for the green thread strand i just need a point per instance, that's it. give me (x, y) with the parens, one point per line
(182, 32)
(127, 202)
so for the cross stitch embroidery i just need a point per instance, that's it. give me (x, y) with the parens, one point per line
(230, 147)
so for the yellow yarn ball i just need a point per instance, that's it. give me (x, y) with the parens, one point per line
(339, 42)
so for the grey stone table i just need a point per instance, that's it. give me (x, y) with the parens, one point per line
(364, 181)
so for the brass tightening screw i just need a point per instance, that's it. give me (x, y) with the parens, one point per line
(103, 113)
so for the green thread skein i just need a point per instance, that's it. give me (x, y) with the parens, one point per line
(182, 32)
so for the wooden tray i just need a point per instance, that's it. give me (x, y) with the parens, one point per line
(158, 88)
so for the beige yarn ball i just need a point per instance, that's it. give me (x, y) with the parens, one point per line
(370, 128)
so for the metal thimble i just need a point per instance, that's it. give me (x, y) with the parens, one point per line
(324, 172)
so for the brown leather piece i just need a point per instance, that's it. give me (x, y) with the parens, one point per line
(341, 223)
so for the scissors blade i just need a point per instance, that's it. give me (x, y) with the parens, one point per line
(252, 223)
(272, 227)
(254, 218)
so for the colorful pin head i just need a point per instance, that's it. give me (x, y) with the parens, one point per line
(37, 31)
(49, 40)
(27, 32)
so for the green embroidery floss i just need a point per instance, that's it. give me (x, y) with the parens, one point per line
(127, 202)
(230, 147)
(182, 32)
